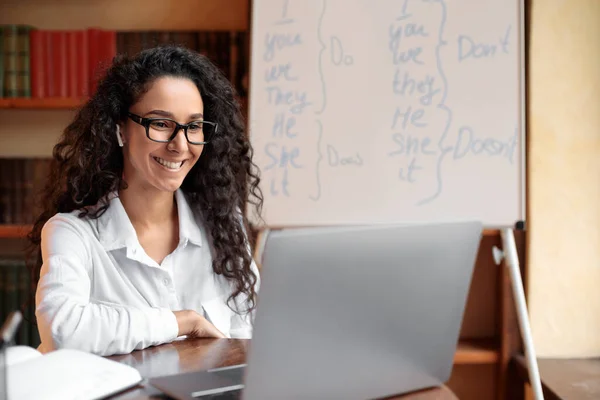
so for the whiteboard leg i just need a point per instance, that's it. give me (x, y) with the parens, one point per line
(512, 261)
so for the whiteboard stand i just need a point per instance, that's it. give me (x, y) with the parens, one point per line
(512, 262)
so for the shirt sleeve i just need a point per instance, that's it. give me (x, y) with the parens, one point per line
(242, 324)
(67, 319)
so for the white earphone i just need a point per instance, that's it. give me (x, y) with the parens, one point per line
(119, 139)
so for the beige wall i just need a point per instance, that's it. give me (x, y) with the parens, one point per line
(564, 178)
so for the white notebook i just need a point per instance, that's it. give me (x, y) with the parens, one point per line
(65, 374)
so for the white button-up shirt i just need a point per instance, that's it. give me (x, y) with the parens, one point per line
(100, 292)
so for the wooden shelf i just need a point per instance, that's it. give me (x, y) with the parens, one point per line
(51, 103)
(477, 351)
(60, 103)
(14, 231)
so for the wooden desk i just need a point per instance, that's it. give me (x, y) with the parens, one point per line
(565, 379)
(199, 354)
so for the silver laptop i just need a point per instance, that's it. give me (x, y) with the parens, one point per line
(357, 312)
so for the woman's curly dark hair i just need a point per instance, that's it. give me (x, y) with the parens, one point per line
(87, 162)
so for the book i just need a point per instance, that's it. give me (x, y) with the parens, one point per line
(65, 373)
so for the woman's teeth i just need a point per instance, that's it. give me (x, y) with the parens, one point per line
(168, 164)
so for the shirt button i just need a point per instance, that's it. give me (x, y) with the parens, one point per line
(166, 281)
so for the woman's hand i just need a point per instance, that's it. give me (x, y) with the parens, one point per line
(192, 324)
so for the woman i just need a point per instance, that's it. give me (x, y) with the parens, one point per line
(142, 237)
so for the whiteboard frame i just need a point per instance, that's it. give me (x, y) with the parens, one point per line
(523, 109)
(523, 134)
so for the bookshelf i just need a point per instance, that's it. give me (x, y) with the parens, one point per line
(53, 103)
(14, 231)
(60, 103)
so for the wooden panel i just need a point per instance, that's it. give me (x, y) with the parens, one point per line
(63, 103)
(31, 133)
(47, 103)
(127, 15)
(565, 378)
(480, 318)
(473, 382)
(14, 231)
(13, 247)
(475, 351)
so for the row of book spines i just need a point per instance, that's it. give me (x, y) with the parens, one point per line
(43, 63)
(51, 63)
(15, 62)
(16, 293)
(229, 50)
(21, 181)
(69, 63)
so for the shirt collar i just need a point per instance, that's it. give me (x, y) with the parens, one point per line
(189, 227)
(115, 230)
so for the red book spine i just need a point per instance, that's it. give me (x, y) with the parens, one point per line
(59, 59)
(108, 44)
(37, 57)
(83, 64)
(93, 35)
(102, 45)
(72, 89)
(49, 65)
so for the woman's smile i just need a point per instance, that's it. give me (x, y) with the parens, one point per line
(169, 165)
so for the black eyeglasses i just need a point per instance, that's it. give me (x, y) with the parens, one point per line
(163, 130)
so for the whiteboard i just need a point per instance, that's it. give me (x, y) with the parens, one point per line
(369, 111)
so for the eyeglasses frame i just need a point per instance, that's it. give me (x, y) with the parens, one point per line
(145, 122)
